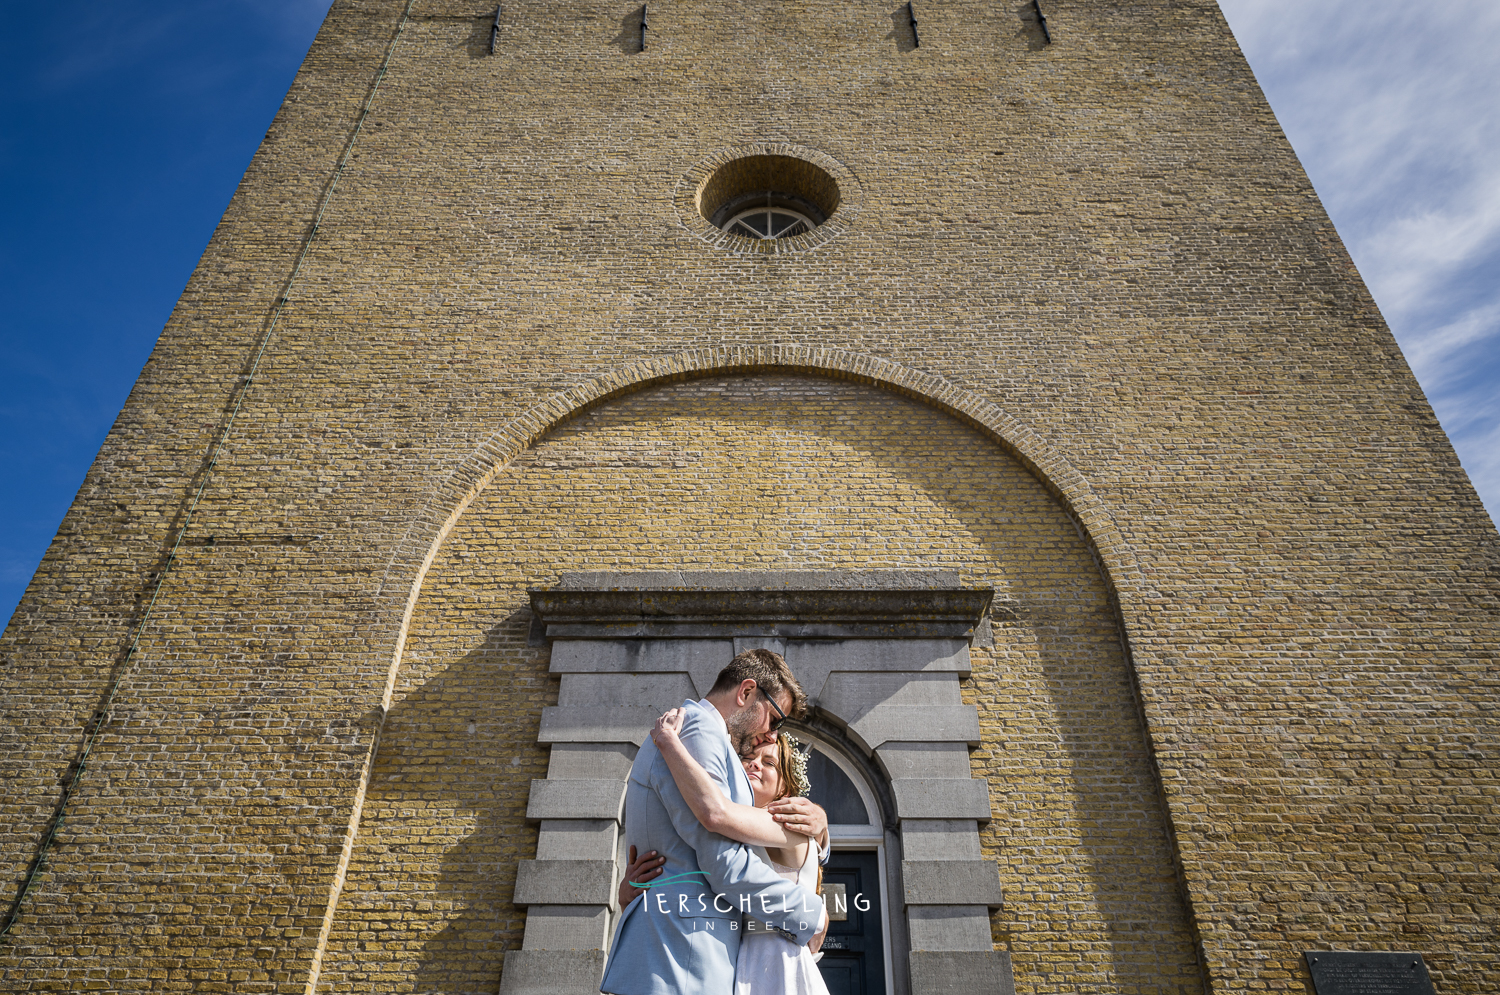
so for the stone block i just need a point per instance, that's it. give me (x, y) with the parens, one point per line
(872, 655)
(552, 972)
(586, 761)
(941, 798)
(852, 695)
(909, 760)
(940, 839)
(596, 725)
(948, 927)
(772, 643)
(576, 799)
(577, 839)
(700, 659)
(566, 927)
(961, 972)
(814, 660)
(564, 882)
(630, 656)
(951, 882)
(658, 692)
(917, 724)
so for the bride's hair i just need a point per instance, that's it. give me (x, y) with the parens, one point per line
(791, 764)
(787, 782)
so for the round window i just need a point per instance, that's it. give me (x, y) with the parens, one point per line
(768, 197)
(768, 214)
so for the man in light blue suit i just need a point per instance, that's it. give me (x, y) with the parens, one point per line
(683, 935)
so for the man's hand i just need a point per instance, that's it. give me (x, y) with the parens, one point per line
(642, 869)
(801, 816)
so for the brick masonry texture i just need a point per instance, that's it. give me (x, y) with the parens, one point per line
(757, 473)
(1123, 327)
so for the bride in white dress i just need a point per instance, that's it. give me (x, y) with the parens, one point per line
(769, 963)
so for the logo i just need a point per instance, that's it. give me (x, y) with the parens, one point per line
(683, 895)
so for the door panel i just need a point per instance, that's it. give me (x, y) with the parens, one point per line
(853, 954)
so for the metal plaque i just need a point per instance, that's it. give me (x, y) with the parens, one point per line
(1360, 972)
(837, 901)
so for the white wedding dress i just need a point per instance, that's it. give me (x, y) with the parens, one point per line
(769, 963)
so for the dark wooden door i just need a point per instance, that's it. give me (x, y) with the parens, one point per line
(853, 954)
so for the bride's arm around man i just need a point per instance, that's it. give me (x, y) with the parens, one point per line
(682, 936)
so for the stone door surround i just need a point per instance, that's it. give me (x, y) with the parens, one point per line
(880, 655)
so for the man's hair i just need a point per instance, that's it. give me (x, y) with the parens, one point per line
(769, 671)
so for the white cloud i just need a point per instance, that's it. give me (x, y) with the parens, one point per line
(1392, 107)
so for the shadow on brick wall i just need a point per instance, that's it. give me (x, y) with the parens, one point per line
(1080, 832)
(427, 898)
(902, 34)
(850, 473)
(1031, 27)
(628, 41)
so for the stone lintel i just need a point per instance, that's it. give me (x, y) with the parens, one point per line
(769, 628)
(785, 614)
(759, 580)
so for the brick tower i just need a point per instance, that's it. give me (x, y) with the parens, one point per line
(1003, 372)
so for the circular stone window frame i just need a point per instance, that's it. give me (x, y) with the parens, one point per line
(686, 199)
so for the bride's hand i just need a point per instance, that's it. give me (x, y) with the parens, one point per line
(816, 943)
(668, 726)
(641, 869)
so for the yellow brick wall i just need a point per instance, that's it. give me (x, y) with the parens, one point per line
(1107, 240)
(765, 472)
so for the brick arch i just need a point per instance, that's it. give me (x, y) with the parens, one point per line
(449, 498)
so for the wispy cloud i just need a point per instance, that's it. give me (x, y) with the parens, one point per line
(1392, 108)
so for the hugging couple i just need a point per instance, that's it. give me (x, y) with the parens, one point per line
(724, 895)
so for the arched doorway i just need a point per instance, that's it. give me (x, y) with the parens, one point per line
(857, 951)
(881, 655)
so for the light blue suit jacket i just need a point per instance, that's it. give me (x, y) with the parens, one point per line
(682, 937)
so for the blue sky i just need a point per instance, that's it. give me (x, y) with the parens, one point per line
(1394, 109)
(124, 129)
